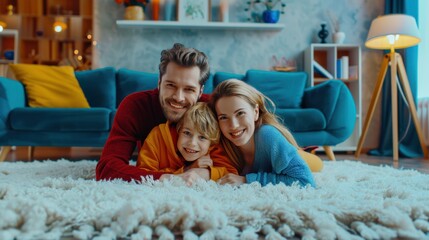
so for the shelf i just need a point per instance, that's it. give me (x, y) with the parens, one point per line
(190, 25)
(319, 80)
(6, 61)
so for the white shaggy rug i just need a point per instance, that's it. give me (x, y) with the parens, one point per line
(61, 199)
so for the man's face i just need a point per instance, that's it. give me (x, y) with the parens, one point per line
(179, 89)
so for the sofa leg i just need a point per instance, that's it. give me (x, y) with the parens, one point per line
(31, 152)
(3, 152)
(329, 152)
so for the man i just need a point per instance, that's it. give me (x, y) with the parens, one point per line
(182, 75)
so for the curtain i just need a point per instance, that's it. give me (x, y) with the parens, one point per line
(409, 145)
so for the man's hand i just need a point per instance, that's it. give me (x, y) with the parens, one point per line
(232, 179)
(166, 176)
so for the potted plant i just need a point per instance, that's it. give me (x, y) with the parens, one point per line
(134, 9)
(271, 14)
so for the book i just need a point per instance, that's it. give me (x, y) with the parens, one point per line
(344, 67)
(339, 68)
(321, 70)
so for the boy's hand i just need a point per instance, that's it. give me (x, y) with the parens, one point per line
(202, 162)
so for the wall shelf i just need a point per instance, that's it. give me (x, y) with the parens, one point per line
(144, 24)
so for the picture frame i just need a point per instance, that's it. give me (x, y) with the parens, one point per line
(193, 10)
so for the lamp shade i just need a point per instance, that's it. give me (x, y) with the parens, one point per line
(393, 30)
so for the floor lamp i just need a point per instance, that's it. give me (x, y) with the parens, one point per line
(390, 32)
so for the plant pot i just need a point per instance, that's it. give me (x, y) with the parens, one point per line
(271, 16)
(134, 13)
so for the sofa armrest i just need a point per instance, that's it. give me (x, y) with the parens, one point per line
(335, 101)
(12, 95)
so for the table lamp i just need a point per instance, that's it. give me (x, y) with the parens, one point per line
(2, 26)
(59, 24)
(390, 32)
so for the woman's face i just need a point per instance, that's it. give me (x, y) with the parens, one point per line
(237, 120)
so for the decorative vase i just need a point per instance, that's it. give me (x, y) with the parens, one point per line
(323, 33)
(134, 13)
(338, 37)
(271, 16)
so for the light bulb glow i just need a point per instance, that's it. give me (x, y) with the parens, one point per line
(392, 38)
(58, 29)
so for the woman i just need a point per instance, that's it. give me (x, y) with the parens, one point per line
(259, 146)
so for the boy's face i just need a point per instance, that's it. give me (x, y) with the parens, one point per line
(179, 89)
(191, 143)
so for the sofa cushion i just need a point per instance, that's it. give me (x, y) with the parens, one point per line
(302, 120)
(99, 86)
(50, 86)
(285, 89)
(130, 81)
(222, 76)
(60, 119)
(208, 86)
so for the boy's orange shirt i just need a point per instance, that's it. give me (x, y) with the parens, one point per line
(159, 153)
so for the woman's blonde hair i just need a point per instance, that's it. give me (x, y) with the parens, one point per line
(237, 88)
(202, 118)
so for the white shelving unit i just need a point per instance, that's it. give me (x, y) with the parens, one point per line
(326, 55)
(8, 41)
(145, 24)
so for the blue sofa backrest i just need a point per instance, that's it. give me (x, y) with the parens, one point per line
(106, 87)
(285, 89)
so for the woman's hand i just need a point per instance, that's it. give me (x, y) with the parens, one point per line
(232, 179)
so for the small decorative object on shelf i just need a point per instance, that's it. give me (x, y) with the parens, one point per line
(10, 9)
(134, 9)
(271, 12)
(337, 36)
(323, 33)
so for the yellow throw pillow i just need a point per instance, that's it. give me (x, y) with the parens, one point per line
(50, 86)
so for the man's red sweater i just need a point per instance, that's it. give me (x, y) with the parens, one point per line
(137, 114)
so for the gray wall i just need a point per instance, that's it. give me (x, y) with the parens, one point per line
(237, 51)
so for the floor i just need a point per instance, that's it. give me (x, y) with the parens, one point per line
(78, 153)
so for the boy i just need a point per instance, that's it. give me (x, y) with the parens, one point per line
(173, 152)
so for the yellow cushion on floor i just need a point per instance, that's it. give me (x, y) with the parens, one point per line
(313, 161)
(50, 86)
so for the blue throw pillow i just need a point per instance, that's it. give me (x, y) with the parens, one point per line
(285, 89)
(99, 86)
(130, 81)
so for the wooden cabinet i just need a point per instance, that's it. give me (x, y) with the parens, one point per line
(8, 49)
(39, 43)
(330, 58)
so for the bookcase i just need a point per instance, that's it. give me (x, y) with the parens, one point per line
(39, 43)
(328, 57)
(8, 46)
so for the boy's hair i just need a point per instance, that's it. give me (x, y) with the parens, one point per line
(203, 120)
(186, 57)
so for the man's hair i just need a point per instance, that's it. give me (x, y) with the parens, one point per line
(186, 57)
(201, 118)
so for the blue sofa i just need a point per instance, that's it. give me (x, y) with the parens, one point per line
(323, 115)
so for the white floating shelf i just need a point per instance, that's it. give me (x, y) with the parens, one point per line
(143, 24)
